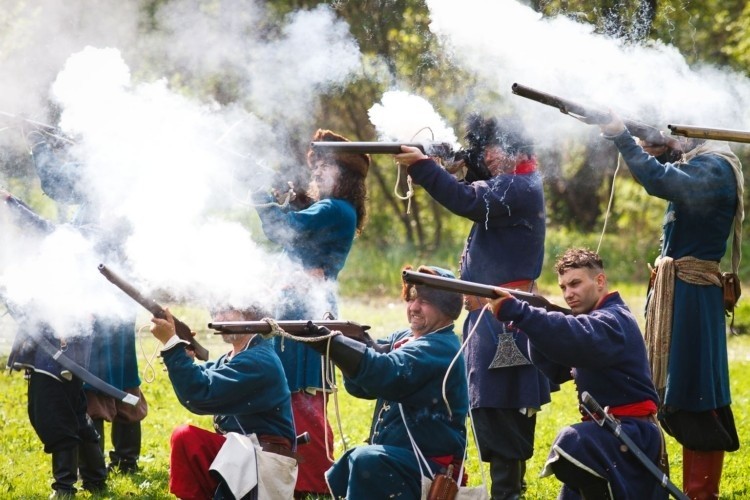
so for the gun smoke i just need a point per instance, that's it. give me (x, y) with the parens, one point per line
(177, 166)
(174, 168)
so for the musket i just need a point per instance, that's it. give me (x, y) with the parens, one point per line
(439, 149)
(712, 134)
(478, 289)
(50, 130)
(181, 329)
(79, 371)
(593, 116)
(604, 419)
(294, 327)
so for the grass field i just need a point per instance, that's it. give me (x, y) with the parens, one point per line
(25, 470)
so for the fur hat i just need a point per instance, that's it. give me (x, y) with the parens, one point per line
(357, 163)
(449, 303)
(507, 132)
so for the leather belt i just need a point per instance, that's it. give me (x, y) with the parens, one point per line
(472, 302)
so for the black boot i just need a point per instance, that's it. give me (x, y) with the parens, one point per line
(65, 472)
(507, 478)
(91, 466)
(126, 438)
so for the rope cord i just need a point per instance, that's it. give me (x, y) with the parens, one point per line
(148, 372)
(409, 188)
(329, 377)
(609, 204)
(277, 331)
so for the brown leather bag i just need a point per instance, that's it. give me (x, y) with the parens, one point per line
(443, 487)
(732, 290)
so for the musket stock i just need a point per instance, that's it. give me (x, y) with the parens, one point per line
(439, 149)
(712, 134)
(477, 289)
(181, 329)
(592, 116)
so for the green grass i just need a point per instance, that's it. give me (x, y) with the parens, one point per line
(25, 469)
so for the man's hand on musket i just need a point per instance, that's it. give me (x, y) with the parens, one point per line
(500, 296)
(287, 196)
(409, 155)
(163, 329)
(5, 195)
(614, 127)
(657, 150)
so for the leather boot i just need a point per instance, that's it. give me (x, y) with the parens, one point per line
(91, 466)
(701, 473)
(507, 478)
(65, 473)
(126, 438)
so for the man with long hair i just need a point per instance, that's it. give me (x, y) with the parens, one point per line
(319, 237)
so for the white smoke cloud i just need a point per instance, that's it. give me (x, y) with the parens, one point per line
(401, 116)
(509, 42)
(174, 167)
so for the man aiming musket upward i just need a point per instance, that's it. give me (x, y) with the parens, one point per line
(685, 313)
(504, 199)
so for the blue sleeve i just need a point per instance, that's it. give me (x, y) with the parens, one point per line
(283, 227)
(695, 181)
(592, 340)
(555, 372)
(60, 180)
(27, 218)
(501, 197)
(401, 374)
(214, 387)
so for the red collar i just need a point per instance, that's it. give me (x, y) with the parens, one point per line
(526, 166)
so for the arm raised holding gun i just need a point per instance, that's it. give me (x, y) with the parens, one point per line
(183, 331)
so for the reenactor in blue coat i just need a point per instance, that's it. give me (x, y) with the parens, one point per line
(404, 373)
(503, 196)
(685, 318)
(601, 349)
(318, 236)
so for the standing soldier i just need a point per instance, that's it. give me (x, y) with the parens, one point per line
(319, 237)
(685, 322)
(506, 248)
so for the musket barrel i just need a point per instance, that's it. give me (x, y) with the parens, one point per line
(589, 115)
(289, 326)
(441, 149)
(476, 289)
(391, 148)
(181, 329)
(565, 106)
(712, 134)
